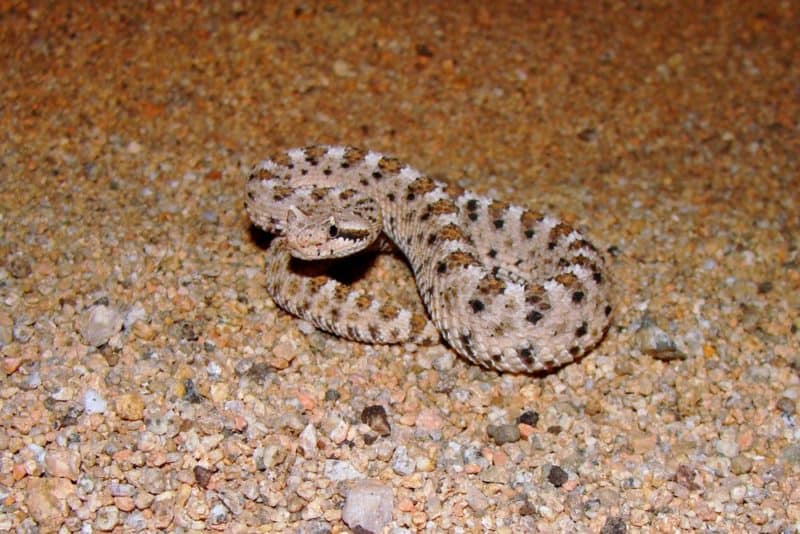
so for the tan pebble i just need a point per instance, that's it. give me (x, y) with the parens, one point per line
(398, 395)
(472, 469)
(130, 406)
(429, 420)
(156, 458)
(425, 464)
(122, 455)
(639, 518)
(279, 363)
(643, 443)
(18, 472)
(526, 431)
(499, 458)
(405, 505)
(43, 505)
(745, 439)
(339, 432)
(126, 504)
(143, 331)
(408, 419)
(63, 464)
(284, 350)
(306, 401)
(295, 504)
(414, 481)
(219, 392)
(419, 518)
(11, 364)
(22, 424)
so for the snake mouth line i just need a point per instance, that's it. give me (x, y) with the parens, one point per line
(352, 235)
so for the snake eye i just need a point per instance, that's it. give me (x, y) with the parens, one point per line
(333, 231)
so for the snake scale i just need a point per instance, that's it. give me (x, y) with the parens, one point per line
(508, 288)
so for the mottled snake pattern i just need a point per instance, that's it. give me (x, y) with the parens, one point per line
(506, 287)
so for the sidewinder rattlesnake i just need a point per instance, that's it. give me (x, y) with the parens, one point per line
(508, 288)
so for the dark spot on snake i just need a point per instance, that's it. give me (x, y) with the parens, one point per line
(492, 253)
(410, 197)
(607, 310)
(498, 223)
(377, 175)
(477, 305)
(597, 276)
(574, 350)
(497, 357)
(551, 245)
(533, 317)
(432, 239)
(581, 330)
(577, 297)
(345, 165)
(390, 196)
(303, 171)
(441, 268)
(529, 233)
(472, 204)
(473, 216)
(327, 171)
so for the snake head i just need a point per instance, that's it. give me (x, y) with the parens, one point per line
(328, 235)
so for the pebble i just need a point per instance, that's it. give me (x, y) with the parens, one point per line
(402, 463)
(63, 463)
(107, 518)
(93, 402)
(654, 341)
(528, 417)
(375, 417)
(557, 476)
(130, 406)
(741, 464)
(19, 266)
(270, 456)
(475, 499)
(339, 470)
(218, 515)
(614, 525)
(202, 475)
(368, 506)
(99, 323)
(727, 448)
(308, 441)
(503, 433)
(44, 505)
(429, 421)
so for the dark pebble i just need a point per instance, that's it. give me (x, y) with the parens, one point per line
(528, 417)
(557, 476)
(375, 416)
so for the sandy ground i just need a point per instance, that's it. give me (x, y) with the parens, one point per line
(150, 384)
